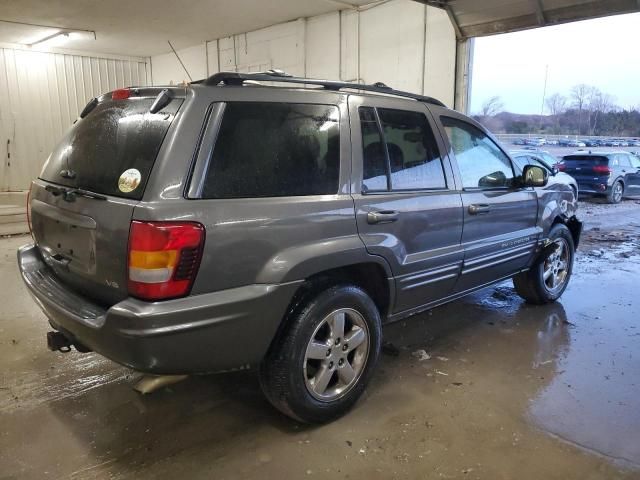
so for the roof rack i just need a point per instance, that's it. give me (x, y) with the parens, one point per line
(235, 78)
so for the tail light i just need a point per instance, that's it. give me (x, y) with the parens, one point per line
(602, 169)
(561, 167)
(164, 258)
(121, 94)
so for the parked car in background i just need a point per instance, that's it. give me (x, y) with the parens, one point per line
(613, 174)
(634, 143)
(305, 220)
(567, 142)
(547, 161)
(590, 142)
(552, 142)
(535, 141)
(518, 141)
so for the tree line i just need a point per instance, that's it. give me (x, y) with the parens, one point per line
(585, 110)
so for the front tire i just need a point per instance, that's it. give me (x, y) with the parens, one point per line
(549, 275)
(317, 368)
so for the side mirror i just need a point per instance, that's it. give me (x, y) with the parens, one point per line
(534, 176)
(555, 171)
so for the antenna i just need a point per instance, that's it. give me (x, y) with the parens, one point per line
(180, 60)
(544, 93)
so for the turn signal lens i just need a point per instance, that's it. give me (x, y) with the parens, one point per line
(163, 258)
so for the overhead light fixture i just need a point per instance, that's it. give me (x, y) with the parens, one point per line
(62, 37)
(54, 40)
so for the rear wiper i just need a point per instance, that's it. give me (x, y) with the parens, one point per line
(69, 194)
(88, 194)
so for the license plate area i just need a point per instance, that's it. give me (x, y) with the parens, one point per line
(66, 239)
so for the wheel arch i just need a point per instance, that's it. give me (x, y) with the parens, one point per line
(573, 224)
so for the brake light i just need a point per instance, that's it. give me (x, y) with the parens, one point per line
(121, 94)
(561, 167)
(601, 169)
(163, 258)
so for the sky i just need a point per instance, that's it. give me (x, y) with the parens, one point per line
(603, 52)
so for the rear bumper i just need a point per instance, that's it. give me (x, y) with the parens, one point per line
(593, 188)
(211, 332)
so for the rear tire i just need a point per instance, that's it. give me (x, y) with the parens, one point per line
(616, 193)
(550, 273)
(317, 368)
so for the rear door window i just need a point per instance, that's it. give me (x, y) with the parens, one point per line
(275, 149)
(375, 171)
(112, 150)
(481, 162)
(399, 152)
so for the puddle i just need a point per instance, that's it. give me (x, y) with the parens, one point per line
(593, 400)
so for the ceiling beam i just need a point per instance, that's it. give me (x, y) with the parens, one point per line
(444, 5)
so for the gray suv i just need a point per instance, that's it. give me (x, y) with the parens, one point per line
(229, 224)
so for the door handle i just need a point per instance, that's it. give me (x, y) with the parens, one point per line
(478, 208)
(384, 216)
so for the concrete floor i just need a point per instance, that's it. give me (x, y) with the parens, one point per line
(509, 391)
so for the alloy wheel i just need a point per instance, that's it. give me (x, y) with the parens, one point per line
(336, 354)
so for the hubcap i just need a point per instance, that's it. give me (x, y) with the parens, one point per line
(556, 267)
(336, 354)
(617, 193)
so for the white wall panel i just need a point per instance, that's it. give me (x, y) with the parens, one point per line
(403, 43)
(350, 46)
(322, 46)
(392, 45)
(440, 57)
(167, 69)
(41, 94)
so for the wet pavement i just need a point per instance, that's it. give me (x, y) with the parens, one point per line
(486, 387)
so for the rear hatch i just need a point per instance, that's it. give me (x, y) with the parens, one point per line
(83, 200)
(586, 167)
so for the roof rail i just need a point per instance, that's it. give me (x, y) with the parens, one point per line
(236, 78)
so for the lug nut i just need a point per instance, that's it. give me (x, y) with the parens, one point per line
(344, 347)
(330, 364)
(337, 341)
(329, 352)
(341, 362)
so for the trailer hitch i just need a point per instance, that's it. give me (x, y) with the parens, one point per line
(58, 342)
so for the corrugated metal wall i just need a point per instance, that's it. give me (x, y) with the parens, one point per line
(41, 94)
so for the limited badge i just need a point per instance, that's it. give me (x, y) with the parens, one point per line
(129, 180)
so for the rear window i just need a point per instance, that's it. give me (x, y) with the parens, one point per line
(274, 150)
(112, 150)
(598, 160)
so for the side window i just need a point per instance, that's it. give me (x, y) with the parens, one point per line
(400, 153)
(624, 161)
(482, 164)
(414, 159)
(615, 161)
(374, 158)
(274, 150)
(635, 161)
